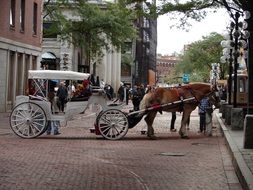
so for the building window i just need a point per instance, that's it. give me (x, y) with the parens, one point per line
(34, 62)
(22, 16)
(47, 32)
(35, 13)
(12, 13)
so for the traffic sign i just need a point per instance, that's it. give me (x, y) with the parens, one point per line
(186, 78)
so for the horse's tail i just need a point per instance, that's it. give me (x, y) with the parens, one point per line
(144, 104)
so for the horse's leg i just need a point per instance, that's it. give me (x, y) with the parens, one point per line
(184, 122)
(188, 123)
(149, 120)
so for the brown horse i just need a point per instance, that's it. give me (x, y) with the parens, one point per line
(183, 99)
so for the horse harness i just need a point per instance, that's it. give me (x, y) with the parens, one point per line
(181, 99)
(180, 96)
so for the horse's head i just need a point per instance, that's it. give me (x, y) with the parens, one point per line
(214, 98)
(201, 90)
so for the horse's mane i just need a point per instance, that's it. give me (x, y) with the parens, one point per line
(201, 86)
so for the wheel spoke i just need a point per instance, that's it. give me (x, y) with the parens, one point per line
(105, 120)
(103, 127)
(18, 124)
(108, 131)
(116, 129)
(20, 113)
(34, 128)
(22, 126)
(34, 124)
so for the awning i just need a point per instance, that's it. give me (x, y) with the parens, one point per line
(48, 55)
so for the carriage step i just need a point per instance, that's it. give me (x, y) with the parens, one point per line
(92, 130)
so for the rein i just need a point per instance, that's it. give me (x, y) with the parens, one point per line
(159, 106)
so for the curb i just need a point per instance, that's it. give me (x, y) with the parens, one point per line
(243, 172)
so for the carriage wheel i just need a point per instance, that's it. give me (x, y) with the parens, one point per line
(28, 120)
(112, 124)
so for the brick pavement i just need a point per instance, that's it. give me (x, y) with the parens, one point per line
(77, 159)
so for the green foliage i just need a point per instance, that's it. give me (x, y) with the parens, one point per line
(199, 56)
(126, 59)
(98, 26)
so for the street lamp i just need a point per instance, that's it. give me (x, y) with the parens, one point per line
(231, 52)
(228, 56)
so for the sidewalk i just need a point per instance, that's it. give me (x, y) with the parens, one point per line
(242, 158)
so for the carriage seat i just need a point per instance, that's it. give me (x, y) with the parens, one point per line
(38, 98)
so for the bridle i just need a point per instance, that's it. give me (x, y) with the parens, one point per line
(213, 97)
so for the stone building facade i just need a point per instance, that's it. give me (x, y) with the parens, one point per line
(70, 57)
(20, 47)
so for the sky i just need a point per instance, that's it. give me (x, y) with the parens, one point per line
(173, 40)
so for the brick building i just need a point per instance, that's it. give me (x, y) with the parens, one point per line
(164, 65)
(20, 46)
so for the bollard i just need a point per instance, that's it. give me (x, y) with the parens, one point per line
(248, 132)
(228, 114)
(237, 118)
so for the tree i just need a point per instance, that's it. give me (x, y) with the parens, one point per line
(97, 28)
(199, 56)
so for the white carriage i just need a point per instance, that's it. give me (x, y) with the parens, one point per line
(29, 118)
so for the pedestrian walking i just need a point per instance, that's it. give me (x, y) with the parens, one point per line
(137, 95)
(172, 122)
(126, 94)
(62, 94)
(121, 93)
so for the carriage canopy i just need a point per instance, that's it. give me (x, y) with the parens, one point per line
(54, 74)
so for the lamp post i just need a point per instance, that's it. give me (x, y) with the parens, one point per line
(236, 55)
(237, 39)
(230, 60)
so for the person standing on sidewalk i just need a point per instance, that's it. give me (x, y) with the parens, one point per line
(53, 127)
(203, 105)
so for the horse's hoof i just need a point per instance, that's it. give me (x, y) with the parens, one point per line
(185, 137)
(152, 137)
(181, 133)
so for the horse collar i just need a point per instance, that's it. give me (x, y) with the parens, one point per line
(192, 93)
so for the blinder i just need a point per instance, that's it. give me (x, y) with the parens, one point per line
(214, 98)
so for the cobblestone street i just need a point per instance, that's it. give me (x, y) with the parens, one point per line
(78, 159)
